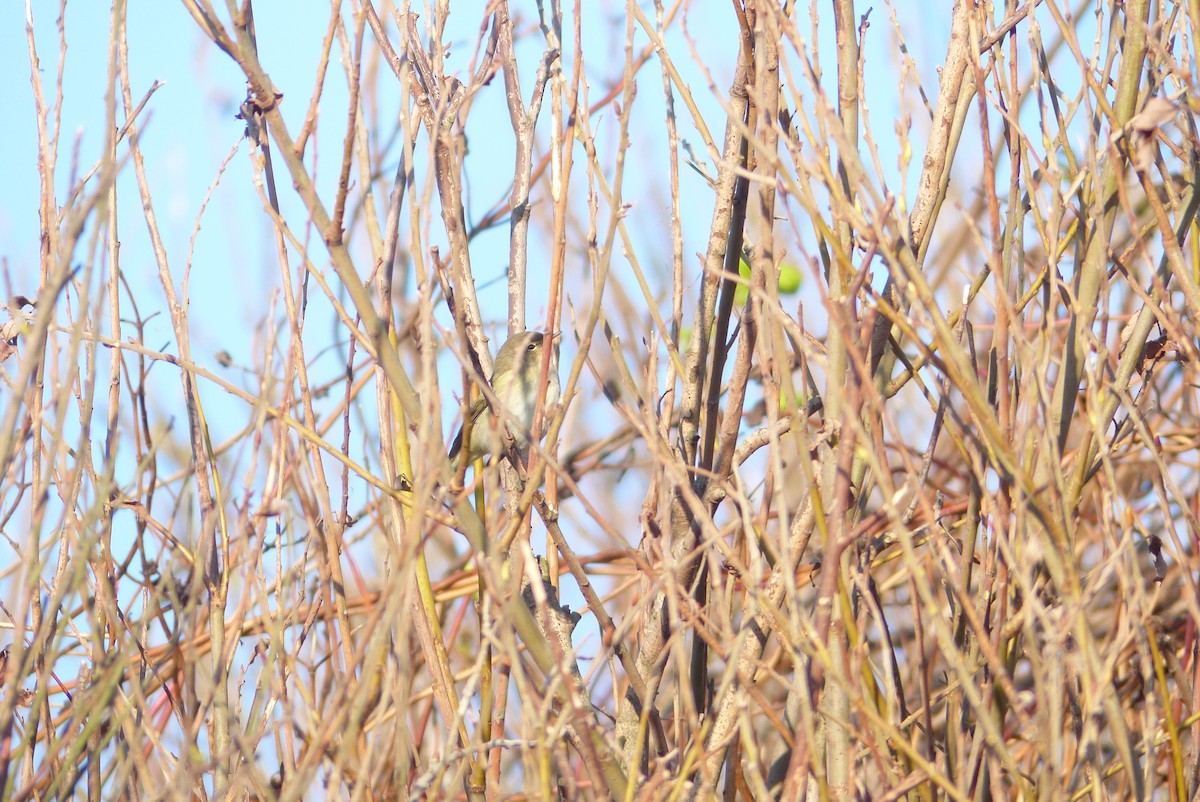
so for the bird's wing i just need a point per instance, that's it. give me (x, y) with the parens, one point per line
(477, 410)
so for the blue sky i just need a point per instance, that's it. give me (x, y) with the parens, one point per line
(189, 128)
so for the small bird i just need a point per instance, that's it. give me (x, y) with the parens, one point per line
(516, 383)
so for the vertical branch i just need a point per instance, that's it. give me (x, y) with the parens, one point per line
(524, 124)
(1102, 213)
(354, 77)
(725, 210)
(57, 242)
(836, 481)
(729, 239)
(676, 229)
(955, 87)
(735, 237)
(564, 101)
(441, 98)
(954, 82)
(524, 127)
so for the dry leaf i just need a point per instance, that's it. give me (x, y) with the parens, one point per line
(1144, 126)
(1157, 111)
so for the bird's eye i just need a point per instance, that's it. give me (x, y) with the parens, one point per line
(531, 347)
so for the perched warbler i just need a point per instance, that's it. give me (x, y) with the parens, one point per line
(516, 382)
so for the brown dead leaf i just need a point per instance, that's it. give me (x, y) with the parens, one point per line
(1157, 350)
